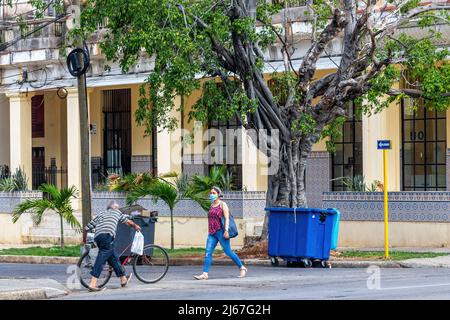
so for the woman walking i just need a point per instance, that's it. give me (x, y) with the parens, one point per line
(217, 233)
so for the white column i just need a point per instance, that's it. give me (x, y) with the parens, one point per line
(20, 134)
(73, 144)
(169, 145)
(249, 158)
(4, 131)
(385, 125)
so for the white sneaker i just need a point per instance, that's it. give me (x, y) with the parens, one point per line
(243, 272)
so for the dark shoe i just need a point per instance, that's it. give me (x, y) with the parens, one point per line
(128, 280)
(92, 289)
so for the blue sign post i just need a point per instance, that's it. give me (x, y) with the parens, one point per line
(385, 145)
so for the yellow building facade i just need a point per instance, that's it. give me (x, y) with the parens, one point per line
(185, 149)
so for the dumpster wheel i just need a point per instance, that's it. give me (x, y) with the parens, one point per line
(307, 263)
(274, 262)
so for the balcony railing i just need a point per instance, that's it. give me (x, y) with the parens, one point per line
(50, 175)
(291, 3)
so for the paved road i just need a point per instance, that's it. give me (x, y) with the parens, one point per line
(262, 283)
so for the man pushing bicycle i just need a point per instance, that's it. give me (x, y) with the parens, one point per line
(105, 225)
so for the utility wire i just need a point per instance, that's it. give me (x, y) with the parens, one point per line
(19, 74)
(30, 11)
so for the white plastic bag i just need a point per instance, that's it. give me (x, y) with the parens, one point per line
(138, 243)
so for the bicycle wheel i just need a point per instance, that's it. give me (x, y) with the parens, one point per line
(85, 266)
(152, 266)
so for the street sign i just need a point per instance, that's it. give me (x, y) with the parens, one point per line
(383, 144)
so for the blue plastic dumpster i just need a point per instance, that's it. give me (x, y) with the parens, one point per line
(335, 233)
(302, 234)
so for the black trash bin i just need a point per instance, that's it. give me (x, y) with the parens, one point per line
(125, 234)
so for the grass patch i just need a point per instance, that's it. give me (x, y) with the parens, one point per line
(393, 255)
(74, 251)
(189, 252)
(68, 251)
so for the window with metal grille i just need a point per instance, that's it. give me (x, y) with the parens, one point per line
(38, 116)
(347, 160)
(59, 27)
(117, 131)
(423, 147)
(227, 148)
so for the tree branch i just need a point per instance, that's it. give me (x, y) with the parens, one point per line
(218, 48)
(308, 66)
(413, 93)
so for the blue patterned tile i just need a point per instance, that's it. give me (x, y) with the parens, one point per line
(241, 204)
(426, 206)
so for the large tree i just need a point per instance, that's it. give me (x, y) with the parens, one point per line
(196, 42)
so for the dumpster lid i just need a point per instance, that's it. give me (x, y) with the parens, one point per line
(132, 210)
(302, 210)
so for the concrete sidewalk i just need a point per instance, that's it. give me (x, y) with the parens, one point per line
(44, 288)
(404, 249)
(31, 289)
(437, 262)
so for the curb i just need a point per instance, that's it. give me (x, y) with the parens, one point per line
(365, 264)
(26, 294)
(226, 261)
(38, 260)
(216, 261)
(407, 264)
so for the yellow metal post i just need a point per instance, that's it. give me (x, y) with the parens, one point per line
(386, 228)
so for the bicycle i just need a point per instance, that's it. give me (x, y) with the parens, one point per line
(154, 260)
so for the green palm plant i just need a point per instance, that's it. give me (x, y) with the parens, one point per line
(203, 184)
(158, 190)
(200, 185)
(54, 199)
(20, 180)
(7, 184)
(227, 181)
(186, 189)
(129, 181)
(17, 182)
(182, 183)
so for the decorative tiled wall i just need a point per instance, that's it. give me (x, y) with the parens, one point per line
(448, 169)
(9, 200)
(317, 177)
(141, 163)
(241, 204)
(403, 206)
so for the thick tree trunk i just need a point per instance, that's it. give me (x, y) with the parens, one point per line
(172, 236)
(62, 231)
(287, 187)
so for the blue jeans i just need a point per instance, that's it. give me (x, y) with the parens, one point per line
(211, 243)
(105, 244)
